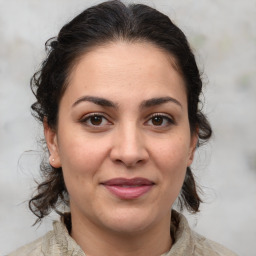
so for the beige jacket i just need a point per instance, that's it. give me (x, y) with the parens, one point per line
(58, 242)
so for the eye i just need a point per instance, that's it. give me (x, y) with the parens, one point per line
(161, 120)
(95, 120)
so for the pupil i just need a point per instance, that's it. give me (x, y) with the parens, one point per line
(96, 120)
(157, 120)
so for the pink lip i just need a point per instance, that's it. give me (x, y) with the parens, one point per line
(128, 188)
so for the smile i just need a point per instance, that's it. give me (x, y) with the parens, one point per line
(128, 189)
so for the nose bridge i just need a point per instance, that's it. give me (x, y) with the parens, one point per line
(129, 147)
(131, 142)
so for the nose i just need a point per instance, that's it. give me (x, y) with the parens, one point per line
(129, 147)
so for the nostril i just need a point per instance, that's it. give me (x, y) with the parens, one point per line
(129, 164)
(119, 161)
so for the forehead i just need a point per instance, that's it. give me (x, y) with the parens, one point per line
(140, 53)
(118, 66)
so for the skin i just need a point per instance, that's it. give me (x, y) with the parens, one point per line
(124, 140)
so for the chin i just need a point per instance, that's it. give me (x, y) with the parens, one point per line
(130, 221)
(129, 227)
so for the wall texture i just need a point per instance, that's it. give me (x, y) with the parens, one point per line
(223, 34)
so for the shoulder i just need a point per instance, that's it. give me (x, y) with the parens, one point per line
(207, 247)
(39, 247)
(188, 242)
(54, 243)
(31, 249)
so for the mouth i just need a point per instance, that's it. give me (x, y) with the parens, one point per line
(128, 188)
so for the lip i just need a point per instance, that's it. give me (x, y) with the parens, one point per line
(128, 188)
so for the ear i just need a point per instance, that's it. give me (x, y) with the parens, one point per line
(52, 144)
(193, 145)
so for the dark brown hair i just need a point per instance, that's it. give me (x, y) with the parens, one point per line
(109, 22)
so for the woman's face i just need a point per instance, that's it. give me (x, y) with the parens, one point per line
(123, 138)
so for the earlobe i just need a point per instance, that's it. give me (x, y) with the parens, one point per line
(52, 145)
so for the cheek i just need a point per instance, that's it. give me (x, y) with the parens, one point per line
(80, 164)
(81, 161)
(81, 151)
(171, 159)
(172, 152)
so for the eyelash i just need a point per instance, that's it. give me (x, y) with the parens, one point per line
(165, 118)
(88, 117)
(169, 120)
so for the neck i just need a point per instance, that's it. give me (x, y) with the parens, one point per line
(96, 241)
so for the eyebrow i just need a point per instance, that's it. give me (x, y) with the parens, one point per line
(158, 101)
(96, 100)
(145, 104)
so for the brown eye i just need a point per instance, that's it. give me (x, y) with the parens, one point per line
(160, 120)
(96, 120)
(157, 120)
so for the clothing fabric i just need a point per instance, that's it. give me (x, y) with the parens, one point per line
(58, 242)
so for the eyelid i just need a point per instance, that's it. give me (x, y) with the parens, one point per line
(169, 118)
(160, 114)
(89, 115)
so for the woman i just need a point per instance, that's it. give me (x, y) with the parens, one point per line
(118, 99)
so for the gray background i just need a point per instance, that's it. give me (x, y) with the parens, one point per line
(223, 34)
